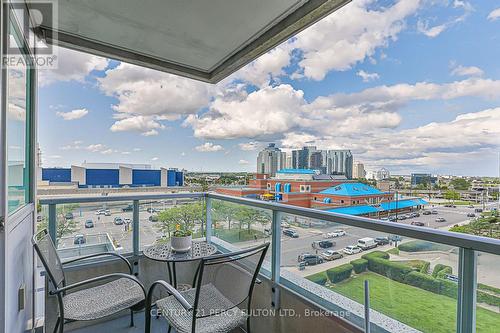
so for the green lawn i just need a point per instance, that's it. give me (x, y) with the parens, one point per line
(421, 309)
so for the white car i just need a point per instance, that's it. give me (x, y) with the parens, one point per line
(333, 234)
(351, 249)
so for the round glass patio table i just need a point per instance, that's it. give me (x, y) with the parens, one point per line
(164, 253)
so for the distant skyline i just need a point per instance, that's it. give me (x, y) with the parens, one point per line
(412, 86)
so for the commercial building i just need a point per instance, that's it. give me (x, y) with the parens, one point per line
(111, 175)
(270, 160)
(382, 174)
(358, 170)
(326, 161)
(423, 179)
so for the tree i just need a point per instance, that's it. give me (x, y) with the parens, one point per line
(452, 195)
(64, 226)
(223, 212)
(460, 184)
(184, 216)
(248, 216)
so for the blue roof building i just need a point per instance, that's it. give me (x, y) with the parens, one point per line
(352, 189)
(384, 207)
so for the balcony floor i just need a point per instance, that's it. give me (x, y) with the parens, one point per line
(121, 325)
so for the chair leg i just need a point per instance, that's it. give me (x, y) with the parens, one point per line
(131, 318)
(57, 324)
(248, 324)
(169, 328)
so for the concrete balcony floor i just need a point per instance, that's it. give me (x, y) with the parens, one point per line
(122, 325)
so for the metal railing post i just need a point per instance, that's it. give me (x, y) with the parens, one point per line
(135, 228)
(208, 221)
(467, 291)
(53, 222)
(276, 246)
(367, 306)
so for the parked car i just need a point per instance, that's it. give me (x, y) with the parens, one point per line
(478, 210)
(69, 216)
(324, 244)
(331, 255)
(367, 243)
(395, 238)
(401, 217)
(451, 277)
(89, 223)
(99, 212)
(434, 212)
(414, 214)
(426, 212)
(310, 259)
(334, 233)
(79, 240)
(351, 249)
(471, 215)
(153, 218)
(291, 233)
(39, 218)
(129, 208)
(118, 221)
(385, 219)
(418, 223)
(127, 220)
(152, 210)
(382, 240)
(107, 212)
(470, 206)
(408, 216)
(392, 218)
(440, 219)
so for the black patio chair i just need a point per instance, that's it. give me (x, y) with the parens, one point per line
(216, 303)
(123, 291)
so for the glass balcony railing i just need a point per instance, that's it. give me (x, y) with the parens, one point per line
(412, 273)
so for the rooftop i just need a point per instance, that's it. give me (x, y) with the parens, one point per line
(297, 171)
(384, 206)
(352, 189)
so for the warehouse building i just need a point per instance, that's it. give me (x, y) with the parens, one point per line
(108, 175)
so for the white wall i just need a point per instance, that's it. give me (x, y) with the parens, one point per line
(78, 175)
(125, 176)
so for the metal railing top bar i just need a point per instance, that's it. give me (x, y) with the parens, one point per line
(114, 198)
(477, 243)
(466, 241)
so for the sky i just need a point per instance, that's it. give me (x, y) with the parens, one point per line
(412, 86)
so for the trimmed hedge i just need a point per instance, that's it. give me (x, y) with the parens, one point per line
(425, 267)
(483, 297)
(423, 281)
(448, 288)
(393, 270)
(339, 273)
(420, 246)
(375, 254)
(319, 278)
(438, 268)
(359, 265)
(442, 273)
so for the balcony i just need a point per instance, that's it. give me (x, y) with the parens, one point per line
(404, 289)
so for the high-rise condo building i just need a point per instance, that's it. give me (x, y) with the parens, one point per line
(270, 160)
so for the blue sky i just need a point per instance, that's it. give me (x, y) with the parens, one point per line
(413, 86)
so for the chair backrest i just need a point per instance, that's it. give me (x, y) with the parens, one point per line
(44, 247)
(226, 281)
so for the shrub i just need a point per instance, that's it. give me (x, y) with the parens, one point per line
(425, 267)
(393, 270)
(483, 297)
(423, 281)
(442, 273)
(359, 265)
(437, 269)
(448, 288)
(319, 278)
(394, 250)
(489, 288)
(339, 273)
(420, 246)
(376, 254)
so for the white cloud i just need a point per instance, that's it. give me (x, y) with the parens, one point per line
(155, 159)
(243, 162)
(183, 154)
(248, 146)
(55, 157)
(126, 153)
(423, 27)
(145, 92)
(367, 77)
(100, 148)
(137, 149)
(72, 66)
(265, 112)
(350, 35)
(494, 15)
(467, 71)
(146, 125)
(74, 114)
(208, 147)
(75, 145)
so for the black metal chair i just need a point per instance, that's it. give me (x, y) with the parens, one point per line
(124, 291)
(224, 283)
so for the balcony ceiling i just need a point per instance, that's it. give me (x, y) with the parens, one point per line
(202, 39)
